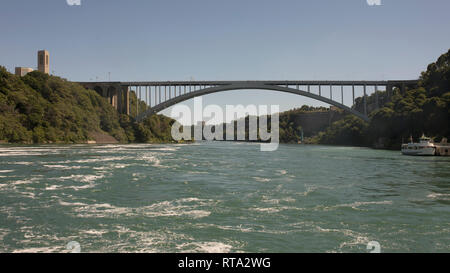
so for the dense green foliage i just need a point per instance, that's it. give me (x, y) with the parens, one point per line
(348, 131)
(423, 110)
(305, 121)
(39, 108)
(294, 124)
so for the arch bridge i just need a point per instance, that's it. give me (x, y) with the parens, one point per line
(158, 96)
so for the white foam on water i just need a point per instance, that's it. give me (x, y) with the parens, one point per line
(62, 203)
(309, 189)
(24, 182)
(144, 241)
(18, 154)
(261, 179)
(6, 171)
(87, 180)
(19, 151)
(64, 167)
(288, 200)
(268, 210)
(119, 166)
(50, 249)
(52, 187)
(98, 159)
(440, 196)
(355, 238)
(232, 228)
(164, 149)
(95, 232)
(354, 205)
(31, 195)
(21, 163)
(197, 172)
(271, 201)
(177, 208)
(104, 210)
(77, 188)
(80, 178)
(189, 207)
(3, 233)
(190, 199)
(153, 159)
(205, 247)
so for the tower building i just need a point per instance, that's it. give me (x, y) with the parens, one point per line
(43, 61)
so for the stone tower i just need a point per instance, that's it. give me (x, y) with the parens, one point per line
(43, 61)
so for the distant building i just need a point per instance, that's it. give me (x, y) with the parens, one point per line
(43, 64)
(43, 61)
(22, 71)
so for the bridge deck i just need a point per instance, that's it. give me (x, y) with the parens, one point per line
(290, 82)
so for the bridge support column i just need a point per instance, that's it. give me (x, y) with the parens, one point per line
(389, 90)
(376, 97)
(115, 99)
(365, 100)
(126, 98)
(331, 92)
(353, 92)
(402, 88)
(119, 100)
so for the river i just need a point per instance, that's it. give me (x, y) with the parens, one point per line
(221, 197)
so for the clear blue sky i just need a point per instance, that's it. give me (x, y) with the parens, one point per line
(143, 40)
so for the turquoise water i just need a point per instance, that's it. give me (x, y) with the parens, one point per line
(221, 197)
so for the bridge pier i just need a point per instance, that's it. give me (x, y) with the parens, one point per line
(376, 96)
(353, 91)
(389, 90)
(402, 88)
(331, 92)
(114, 99)
(126, 97)
(365, 99)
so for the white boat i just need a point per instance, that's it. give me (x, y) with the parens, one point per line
(424, 147)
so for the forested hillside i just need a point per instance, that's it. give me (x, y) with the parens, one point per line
(39, 108)
(423, 110)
